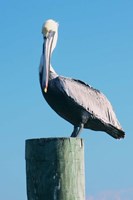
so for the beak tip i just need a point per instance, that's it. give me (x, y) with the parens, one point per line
(45, 89)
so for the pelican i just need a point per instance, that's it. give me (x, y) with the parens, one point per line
(75, 101)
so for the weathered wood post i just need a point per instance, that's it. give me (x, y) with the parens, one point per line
(55, 169)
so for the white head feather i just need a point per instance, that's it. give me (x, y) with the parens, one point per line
(50, 25)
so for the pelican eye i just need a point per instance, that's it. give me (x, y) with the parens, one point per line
(51, 33)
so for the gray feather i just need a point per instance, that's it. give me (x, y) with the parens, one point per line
(90, 99)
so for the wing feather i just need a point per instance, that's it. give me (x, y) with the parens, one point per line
(90, 99)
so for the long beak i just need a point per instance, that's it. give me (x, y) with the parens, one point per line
(47, 47)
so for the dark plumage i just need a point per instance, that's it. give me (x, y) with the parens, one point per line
(79, 103)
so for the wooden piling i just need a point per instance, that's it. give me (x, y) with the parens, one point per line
(55, 169)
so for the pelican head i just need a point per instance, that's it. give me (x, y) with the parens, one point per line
(50, 35)
(48, 28)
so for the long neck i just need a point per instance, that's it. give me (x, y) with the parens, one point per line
(52, 73)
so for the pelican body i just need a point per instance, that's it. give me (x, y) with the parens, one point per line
(75, 101)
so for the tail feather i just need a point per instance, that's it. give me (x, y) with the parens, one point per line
(115, 133)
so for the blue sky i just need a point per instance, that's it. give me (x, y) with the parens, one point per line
(95, 45)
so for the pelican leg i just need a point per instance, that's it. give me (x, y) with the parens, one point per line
(77, 130)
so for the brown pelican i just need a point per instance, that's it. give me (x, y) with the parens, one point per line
(75, 101)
